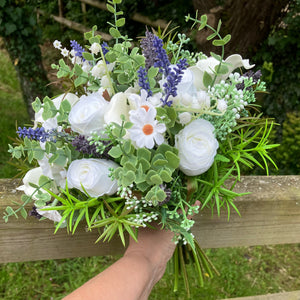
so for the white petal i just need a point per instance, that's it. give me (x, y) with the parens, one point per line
(237, 61)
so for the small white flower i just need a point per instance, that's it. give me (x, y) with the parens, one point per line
(64, 52)
(95, 48)
(203, 99)
(184, 118)
(222, 105)
(57, 44)
(86, 66)
(146, 130)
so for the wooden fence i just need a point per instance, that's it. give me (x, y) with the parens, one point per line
(269, 215)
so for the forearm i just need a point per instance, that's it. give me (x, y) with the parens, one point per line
(132, 277)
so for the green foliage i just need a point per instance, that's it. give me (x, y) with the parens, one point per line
(279, 56)
(218, 41)
(22, 36)
(148, 169)
(287, 154)
(280, 63)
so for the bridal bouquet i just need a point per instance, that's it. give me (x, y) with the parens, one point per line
(141, 132)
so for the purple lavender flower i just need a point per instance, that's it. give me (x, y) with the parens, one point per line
(162, 61)
(82, 145)
(143, 80)
(173, 79)
(77, 48)
(38, 134)
(255, 77)
(104, 47)
(148, 50)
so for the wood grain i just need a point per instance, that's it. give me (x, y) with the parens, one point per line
(270, 215)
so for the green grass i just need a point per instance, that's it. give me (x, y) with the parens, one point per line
(12, 110)
(244, 271)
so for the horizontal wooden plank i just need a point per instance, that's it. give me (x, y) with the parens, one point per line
(278, 296)
(270, 215)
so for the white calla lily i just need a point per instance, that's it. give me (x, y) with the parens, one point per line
(207, 67)
(117, 106)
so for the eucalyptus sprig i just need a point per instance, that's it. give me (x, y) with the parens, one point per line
(218, 42)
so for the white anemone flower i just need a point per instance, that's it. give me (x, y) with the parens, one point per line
(146, 131)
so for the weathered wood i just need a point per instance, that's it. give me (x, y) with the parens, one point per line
(75, 26)
(278, 296)
(270, 215)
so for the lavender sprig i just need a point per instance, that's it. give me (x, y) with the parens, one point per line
(143, 80)
(250, 74)
(77, 49)
(84, 146)
(173, 79)
(148, 50)
(104, 47)
(162, 61)
(38, 134)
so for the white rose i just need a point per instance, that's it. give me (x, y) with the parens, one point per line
(197, 147)
(87, 115)
(117, 106)
(210, 64)
(32, 176)
(92, 175)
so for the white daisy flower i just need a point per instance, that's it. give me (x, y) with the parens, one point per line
(57, 44)
(146, 131)
(64, 52)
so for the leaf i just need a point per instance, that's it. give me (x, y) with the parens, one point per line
(87, 56)
(173, 160)
(203, 21)
(120, 22)
(10, 211)
(227, 38)
(210, 37)
(156, 179)
(80, 80)
(207, 80)
(110, 8)
(219, 25)
(115, 33)
(37, 104)
(218, 43)
(115, 152)
(216, 56)
(152, 72)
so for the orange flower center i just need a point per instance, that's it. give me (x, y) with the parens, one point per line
(146, 107)
(148, 129)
